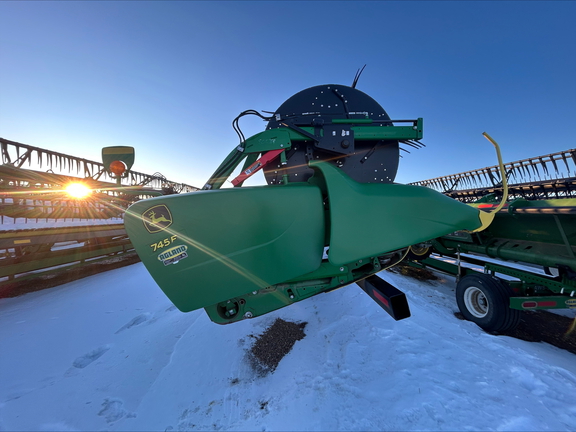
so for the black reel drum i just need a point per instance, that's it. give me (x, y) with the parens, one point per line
(332, 110)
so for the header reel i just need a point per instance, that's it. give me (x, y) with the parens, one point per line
(332, 123)
(331, 111)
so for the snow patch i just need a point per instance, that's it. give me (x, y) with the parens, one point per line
(356, 369)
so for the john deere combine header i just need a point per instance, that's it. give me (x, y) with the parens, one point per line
(330, 214)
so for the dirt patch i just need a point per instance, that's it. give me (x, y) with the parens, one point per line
(63, 275)
(422, 274)
(272, 345)
(543, 326)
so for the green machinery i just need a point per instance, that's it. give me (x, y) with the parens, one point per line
(330, 214)
(536, 228)
(69, 214)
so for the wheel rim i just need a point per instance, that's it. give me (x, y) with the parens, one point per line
(476, 302)
(419, 251)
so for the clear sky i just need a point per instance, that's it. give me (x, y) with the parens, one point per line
(169, 77)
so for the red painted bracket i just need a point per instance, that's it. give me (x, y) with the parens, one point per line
(256, 166)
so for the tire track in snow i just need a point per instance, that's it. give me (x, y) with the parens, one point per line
(90, 357)
(165, 367)
(142, 318)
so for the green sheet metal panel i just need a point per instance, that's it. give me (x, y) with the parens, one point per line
(208, 246)
(368, 220)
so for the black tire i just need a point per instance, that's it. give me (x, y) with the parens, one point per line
(485, 300)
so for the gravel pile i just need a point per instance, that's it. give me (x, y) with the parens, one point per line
(274, 344)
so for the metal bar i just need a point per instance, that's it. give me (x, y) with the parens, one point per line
(446, 267)
(8, 239)
(390, 298)
(564, 238)
(70, 257)
(531, 278)
(257, 166)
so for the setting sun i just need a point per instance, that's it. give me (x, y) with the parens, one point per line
(78, 190)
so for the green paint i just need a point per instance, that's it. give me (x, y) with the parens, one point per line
(543, 302)
(238, 240)
(371, 219)
(118, 153)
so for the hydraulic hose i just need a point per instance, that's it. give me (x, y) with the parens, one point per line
(486, 218)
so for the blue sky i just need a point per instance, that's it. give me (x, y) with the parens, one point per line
(169, 77)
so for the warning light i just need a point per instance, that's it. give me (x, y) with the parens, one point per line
(117, 167)
(78, 190)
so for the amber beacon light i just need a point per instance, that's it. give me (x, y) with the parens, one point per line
(117, 167)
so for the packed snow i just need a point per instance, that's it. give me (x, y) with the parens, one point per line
(110, 352)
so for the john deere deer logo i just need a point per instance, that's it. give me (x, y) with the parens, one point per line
(157, 218)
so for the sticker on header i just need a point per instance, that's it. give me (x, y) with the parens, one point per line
(173, 255)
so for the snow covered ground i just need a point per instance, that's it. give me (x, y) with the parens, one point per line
(110, 352)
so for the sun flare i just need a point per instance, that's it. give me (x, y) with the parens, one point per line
(78, 190)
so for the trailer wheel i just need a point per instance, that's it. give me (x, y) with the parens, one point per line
(419, 252)
(485, 300)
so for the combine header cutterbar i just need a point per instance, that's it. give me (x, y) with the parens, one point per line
(542, 177)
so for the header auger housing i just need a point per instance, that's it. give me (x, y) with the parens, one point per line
(330, 214)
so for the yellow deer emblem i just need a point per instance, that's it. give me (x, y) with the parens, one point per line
(155, 220)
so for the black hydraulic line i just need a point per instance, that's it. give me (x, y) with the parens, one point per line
(301, 131)
(357, 76)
